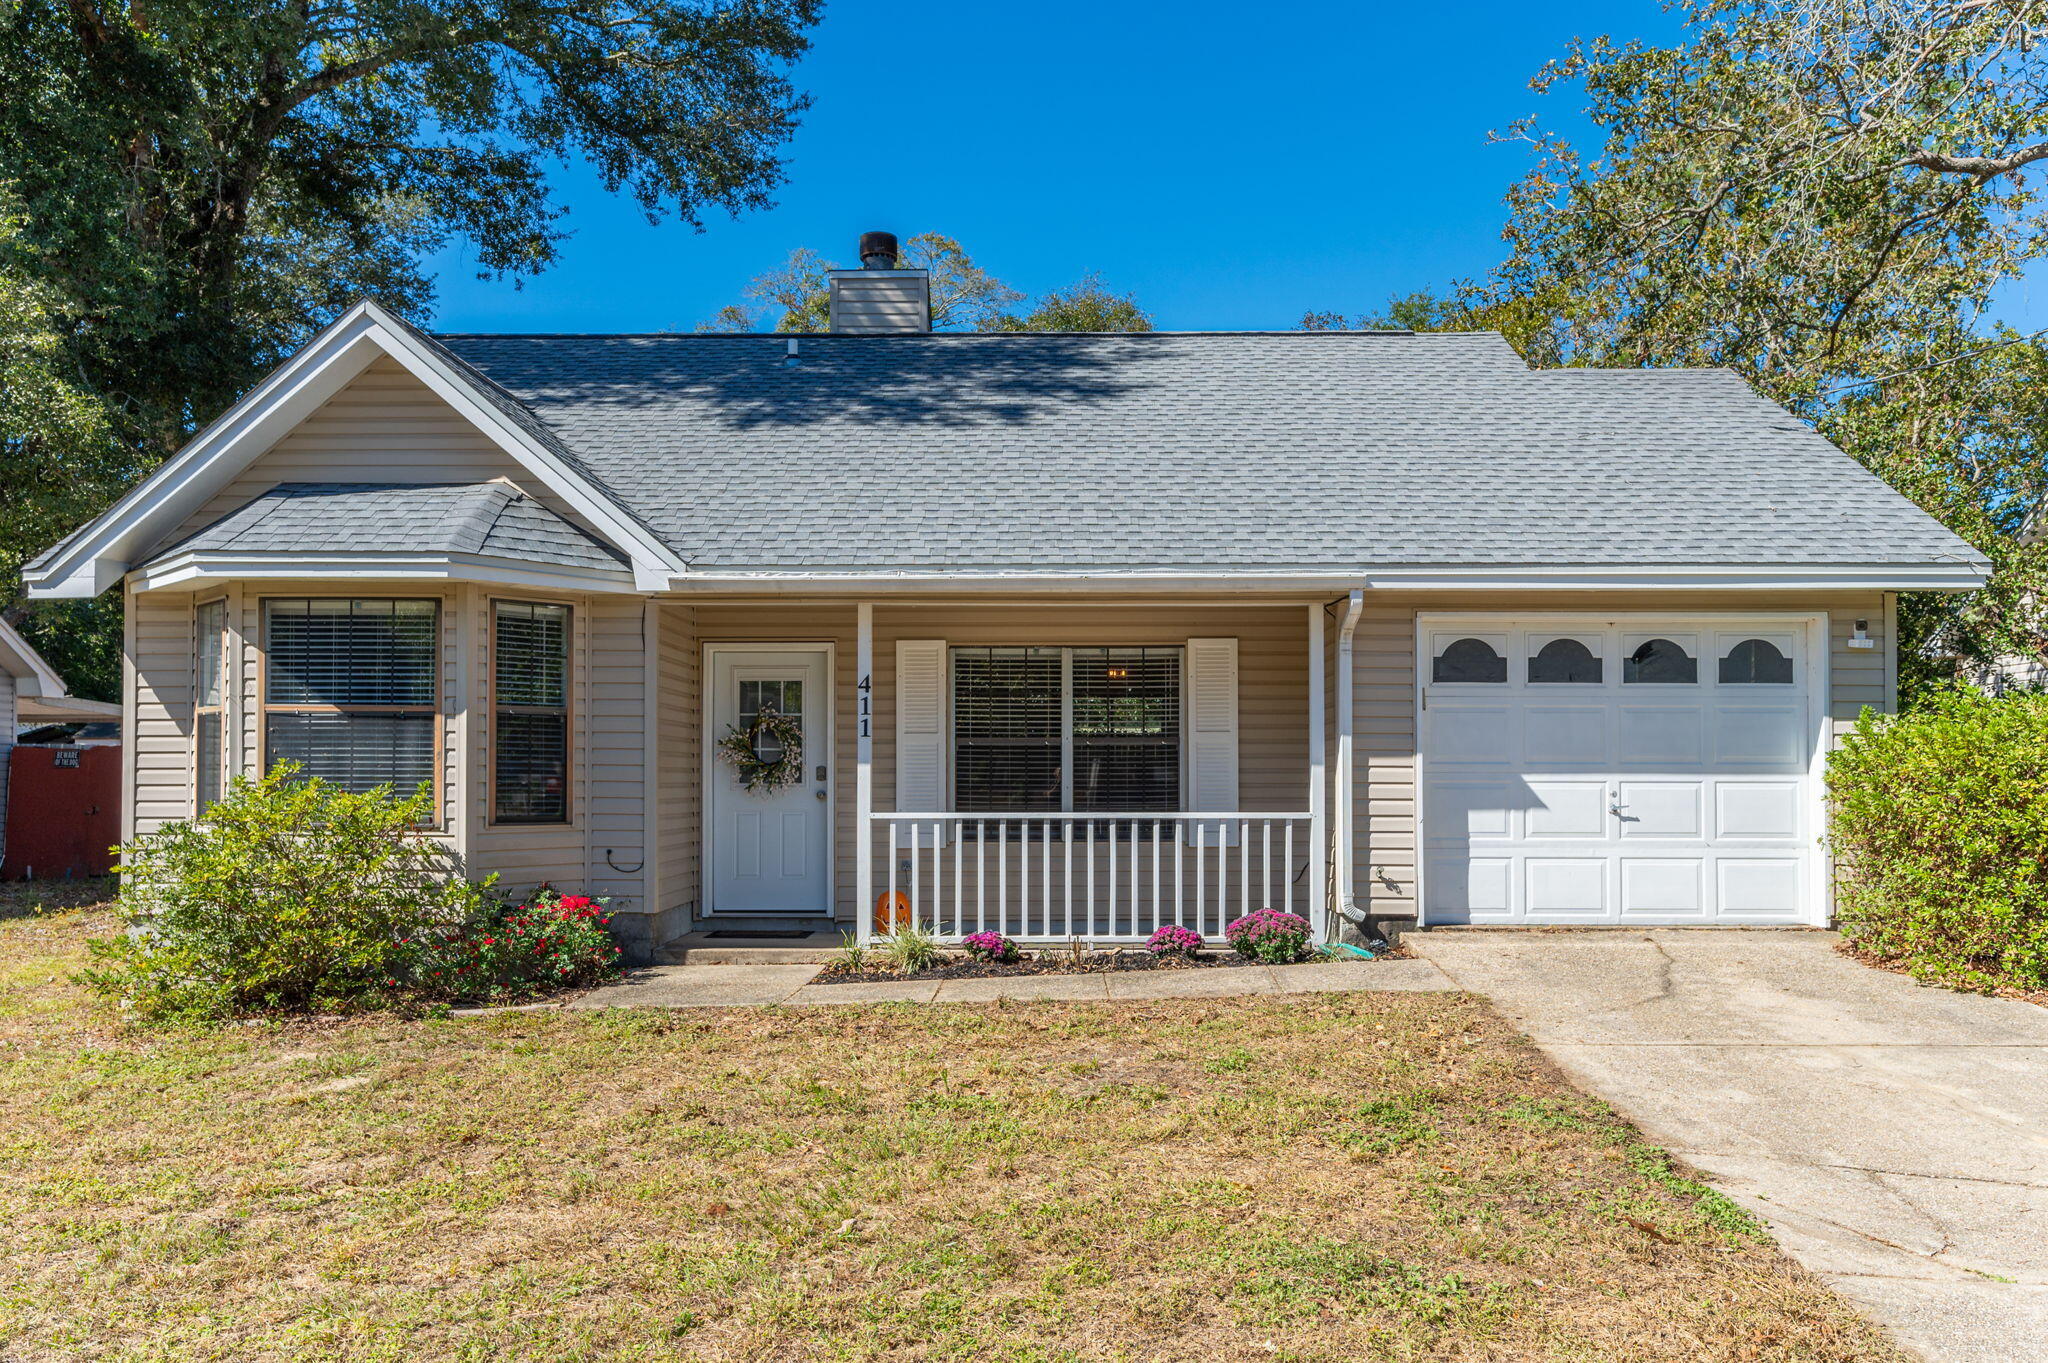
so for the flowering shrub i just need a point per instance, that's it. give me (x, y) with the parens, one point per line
(1174, 940)
(1270, 935)
(992, 947)
(549, 941)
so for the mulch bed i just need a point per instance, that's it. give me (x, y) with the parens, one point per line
(1042, 963)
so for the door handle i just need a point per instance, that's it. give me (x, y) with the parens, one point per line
(821, 794)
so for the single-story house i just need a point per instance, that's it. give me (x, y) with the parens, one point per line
(1065, 635)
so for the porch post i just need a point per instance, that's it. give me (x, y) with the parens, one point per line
(1318, 836)
(864, 772)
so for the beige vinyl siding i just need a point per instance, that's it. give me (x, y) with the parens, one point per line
(880, 304)
(384, 427)
(1384, 663)
(158, 731)
(607, 758)
(679, 787)
(1272, 680)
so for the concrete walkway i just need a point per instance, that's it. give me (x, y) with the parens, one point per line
(1895, 1137)
(753, 986)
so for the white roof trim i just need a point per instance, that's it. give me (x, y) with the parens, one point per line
(1881, 577)
(33, 676)
(204, 567)
(1958, 576)
(66, 710)
(100, 555)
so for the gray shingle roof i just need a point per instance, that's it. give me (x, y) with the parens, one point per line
(1191, 451)
(490, 519)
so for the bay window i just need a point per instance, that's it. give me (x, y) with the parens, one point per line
(1081, 730)
(529, 712)
(351, 690)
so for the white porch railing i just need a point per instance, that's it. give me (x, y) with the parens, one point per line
(1101, 877)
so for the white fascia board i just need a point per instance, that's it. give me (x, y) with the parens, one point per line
(101, 555)
(1079, 582)
(204, 568)
(1885, 577)
(32, 676)
(1878, 577)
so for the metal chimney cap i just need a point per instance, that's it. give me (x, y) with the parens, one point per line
(878, 250)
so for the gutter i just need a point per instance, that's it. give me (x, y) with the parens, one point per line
(1345, 831)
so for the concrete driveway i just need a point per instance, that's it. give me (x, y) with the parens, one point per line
(1895, 1137)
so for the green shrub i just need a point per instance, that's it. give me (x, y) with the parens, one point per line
(287, 894)
(1940, 833)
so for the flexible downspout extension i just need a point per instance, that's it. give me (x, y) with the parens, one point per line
(1352, 610)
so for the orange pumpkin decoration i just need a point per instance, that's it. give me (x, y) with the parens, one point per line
(892, 911)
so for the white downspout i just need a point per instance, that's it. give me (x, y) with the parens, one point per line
(1345, 828)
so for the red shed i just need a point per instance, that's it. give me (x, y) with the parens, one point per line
(63, 811)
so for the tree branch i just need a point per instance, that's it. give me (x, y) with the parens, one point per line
(1982, 167)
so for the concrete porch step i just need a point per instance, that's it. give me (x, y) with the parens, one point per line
(701, 948)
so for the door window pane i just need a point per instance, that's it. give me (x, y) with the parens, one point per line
(1756, 662)
(1469, 660)
(1660, 661)
(1564, 661)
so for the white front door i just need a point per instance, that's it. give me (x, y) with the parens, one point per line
(1633, 769)
(769, 851)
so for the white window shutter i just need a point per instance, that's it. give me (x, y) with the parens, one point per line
(1211, 700)
(920, 731)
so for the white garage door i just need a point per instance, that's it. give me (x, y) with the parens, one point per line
(1618, 769)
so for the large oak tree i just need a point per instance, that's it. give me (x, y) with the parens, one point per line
(198, 185)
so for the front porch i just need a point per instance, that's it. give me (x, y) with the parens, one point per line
(1048, 769)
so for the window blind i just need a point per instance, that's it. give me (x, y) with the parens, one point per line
(1040, 730)
(530, 712)
(351, 652)
(1007, 707)
(1126, 729)
(350, 689)
(354, 751)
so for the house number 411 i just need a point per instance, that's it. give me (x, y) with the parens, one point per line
(866, 688)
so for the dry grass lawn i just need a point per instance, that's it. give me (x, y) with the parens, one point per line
(1346, 1177)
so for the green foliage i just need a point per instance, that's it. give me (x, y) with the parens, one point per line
(193, 188)
(796, 296)
(1084, 306)
(1823, 196)
(1940, 829)
(287, 894)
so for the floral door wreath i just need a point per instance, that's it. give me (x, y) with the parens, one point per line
(771, 731)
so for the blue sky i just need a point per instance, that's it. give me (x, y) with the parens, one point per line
(1232, 165)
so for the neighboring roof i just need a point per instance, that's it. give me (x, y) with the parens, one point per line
(19, 660)
(1191, 452)
(338, 519)
(65, 710)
